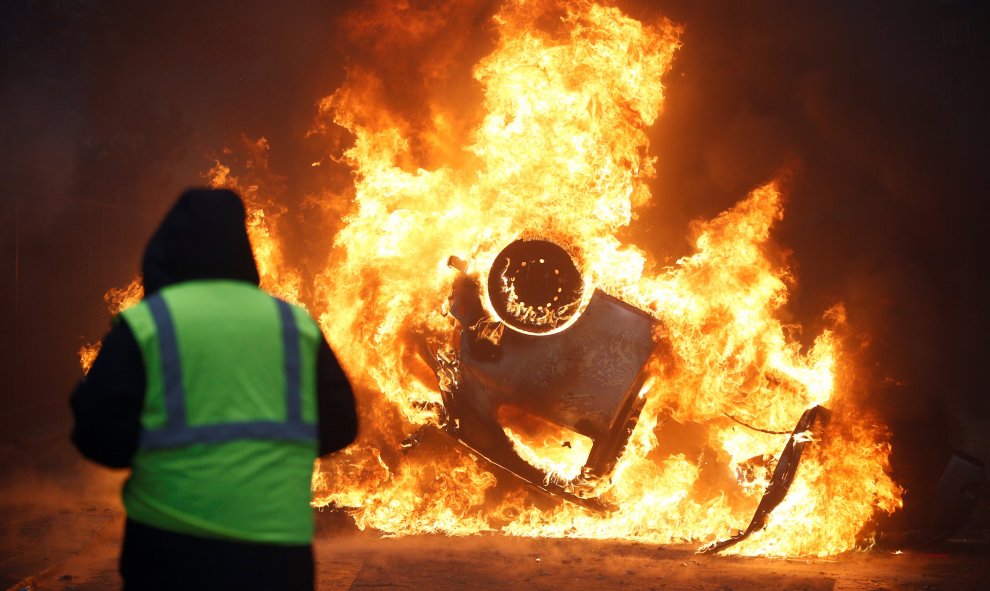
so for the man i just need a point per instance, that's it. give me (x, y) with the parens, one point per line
(219, 397)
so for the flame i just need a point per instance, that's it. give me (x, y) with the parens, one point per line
(560, 454)
(560, 151)
(276, 276)
(117, 300)
(263, 214)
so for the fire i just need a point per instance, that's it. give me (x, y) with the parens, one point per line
(262, 215)
(117, 299)
(561, 152)
(541, 443)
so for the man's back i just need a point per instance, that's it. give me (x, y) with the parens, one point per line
(219, 397)
(229, 419)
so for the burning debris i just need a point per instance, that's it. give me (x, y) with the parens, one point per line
(783, 476)
(581, 370)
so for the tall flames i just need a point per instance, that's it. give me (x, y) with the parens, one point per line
(561, 152)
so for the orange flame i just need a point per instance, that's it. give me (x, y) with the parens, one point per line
(117, 299)
(562, 152)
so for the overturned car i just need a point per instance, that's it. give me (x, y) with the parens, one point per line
(544, 360)
(537, 349)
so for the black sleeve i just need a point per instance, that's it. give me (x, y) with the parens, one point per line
(107, 402)
(335, 403)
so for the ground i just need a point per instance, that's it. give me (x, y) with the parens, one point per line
(76, 549)
(61, 521)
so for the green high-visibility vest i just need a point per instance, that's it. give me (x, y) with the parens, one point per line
(229, 420)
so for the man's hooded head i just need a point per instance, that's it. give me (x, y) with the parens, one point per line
(203, 237)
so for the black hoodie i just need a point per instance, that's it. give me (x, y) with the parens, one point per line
(202, 237)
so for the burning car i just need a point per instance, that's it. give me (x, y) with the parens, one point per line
(543, 353)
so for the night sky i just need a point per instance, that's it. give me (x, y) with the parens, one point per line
(877, 110)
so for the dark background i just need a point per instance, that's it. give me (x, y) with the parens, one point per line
(878, 110)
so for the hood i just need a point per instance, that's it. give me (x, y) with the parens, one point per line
(203, 236)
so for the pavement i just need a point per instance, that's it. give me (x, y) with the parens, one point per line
(76, 549)
(60, 529)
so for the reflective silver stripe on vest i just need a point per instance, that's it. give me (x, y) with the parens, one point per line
(290, 340)
(177, 433)
(175, 394)
(228, 432)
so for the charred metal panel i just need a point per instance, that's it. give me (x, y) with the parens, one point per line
(783, 476)
(579, 378)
